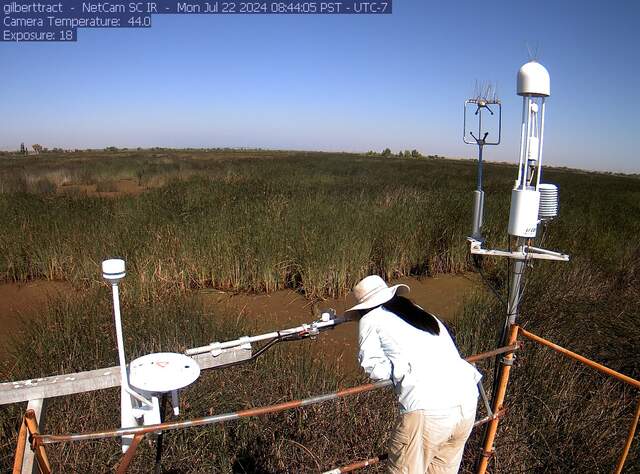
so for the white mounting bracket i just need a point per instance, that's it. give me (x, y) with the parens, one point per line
(217, 348)
(527, 253)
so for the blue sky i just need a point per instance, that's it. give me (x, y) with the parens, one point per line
(335, 82)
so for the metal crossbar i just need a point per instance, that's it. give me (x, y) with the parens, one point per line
(38, 441)
(220, 418)
(488, 449)
(29, 428)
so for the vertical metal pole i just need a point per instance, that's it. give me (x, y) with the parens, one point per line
(119, 338)
(541, 143)
(515, 291)
(20, 448)
(492, 427)
(479, 183)
(522, 139)
(478, 201)
(126, 402)
(479, 123)
(525, 171)
(478, 195)
(36, 406)
(500, 384)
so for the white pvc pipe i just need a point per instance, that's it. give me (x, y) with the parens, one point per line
(121, 357)
(119, 339)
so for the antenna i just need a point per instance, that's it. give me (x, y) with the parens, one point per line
(485, 100)
(152, 375)
(533, 53)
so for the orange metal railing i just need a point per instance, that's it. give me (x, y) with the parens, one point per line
(507, 362)
(605, 370)
(29, 427)
(20, 448)
(38, 440)
(588, 362)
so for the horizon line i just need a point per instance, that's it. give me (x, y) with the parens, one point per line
(6, 150)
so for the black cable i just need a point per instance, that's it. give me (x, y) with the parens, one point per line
(486, 281)
(157, 469)
(276, 340)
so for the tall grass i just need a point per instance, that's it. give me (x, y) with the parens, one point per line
(561, 416)
(317, 223)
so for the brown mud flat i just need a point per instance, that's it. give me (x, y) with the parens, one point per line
(443, 295)
(20, 302)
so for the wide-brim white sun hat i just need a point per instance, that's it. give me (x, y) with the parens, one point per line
(372, 291)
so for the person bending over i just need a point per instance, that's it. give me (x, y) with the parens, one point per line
(437, 389)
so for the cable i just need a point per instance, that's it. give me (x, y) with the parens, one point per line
(495, 292)
(273, 342)
(502, 337)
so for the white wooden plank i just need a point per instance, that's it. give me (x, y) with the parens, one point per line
(79, 382)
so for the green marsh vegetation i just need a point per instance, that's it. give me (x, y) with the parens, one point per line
(317, 223)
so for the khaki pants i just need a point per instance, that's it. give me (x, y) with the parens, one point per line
(430, 442)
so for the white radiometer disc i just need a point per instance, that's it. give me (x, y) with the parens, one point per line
(163, 372)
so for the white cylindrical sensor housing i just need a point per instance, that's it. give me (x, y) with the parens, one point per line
(113, 270)
(523, 217)
(533, 148)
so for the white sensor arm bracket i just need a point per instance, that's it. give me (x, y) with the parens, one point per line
(216, 348)
(138, 397)
(527, 254)
(245, 342)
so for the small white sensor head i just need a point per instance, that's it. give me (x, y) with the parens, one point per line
(533, 80)
(113, 270)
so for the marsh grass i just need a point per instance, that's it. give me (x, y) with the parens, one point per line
(266, 221)
(317, 223)
(562, 416)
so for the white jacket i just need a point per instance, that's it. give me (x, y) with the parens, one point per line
(427, 370)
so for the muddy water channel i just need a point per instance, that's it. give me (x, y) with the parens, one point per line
(443, 295)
